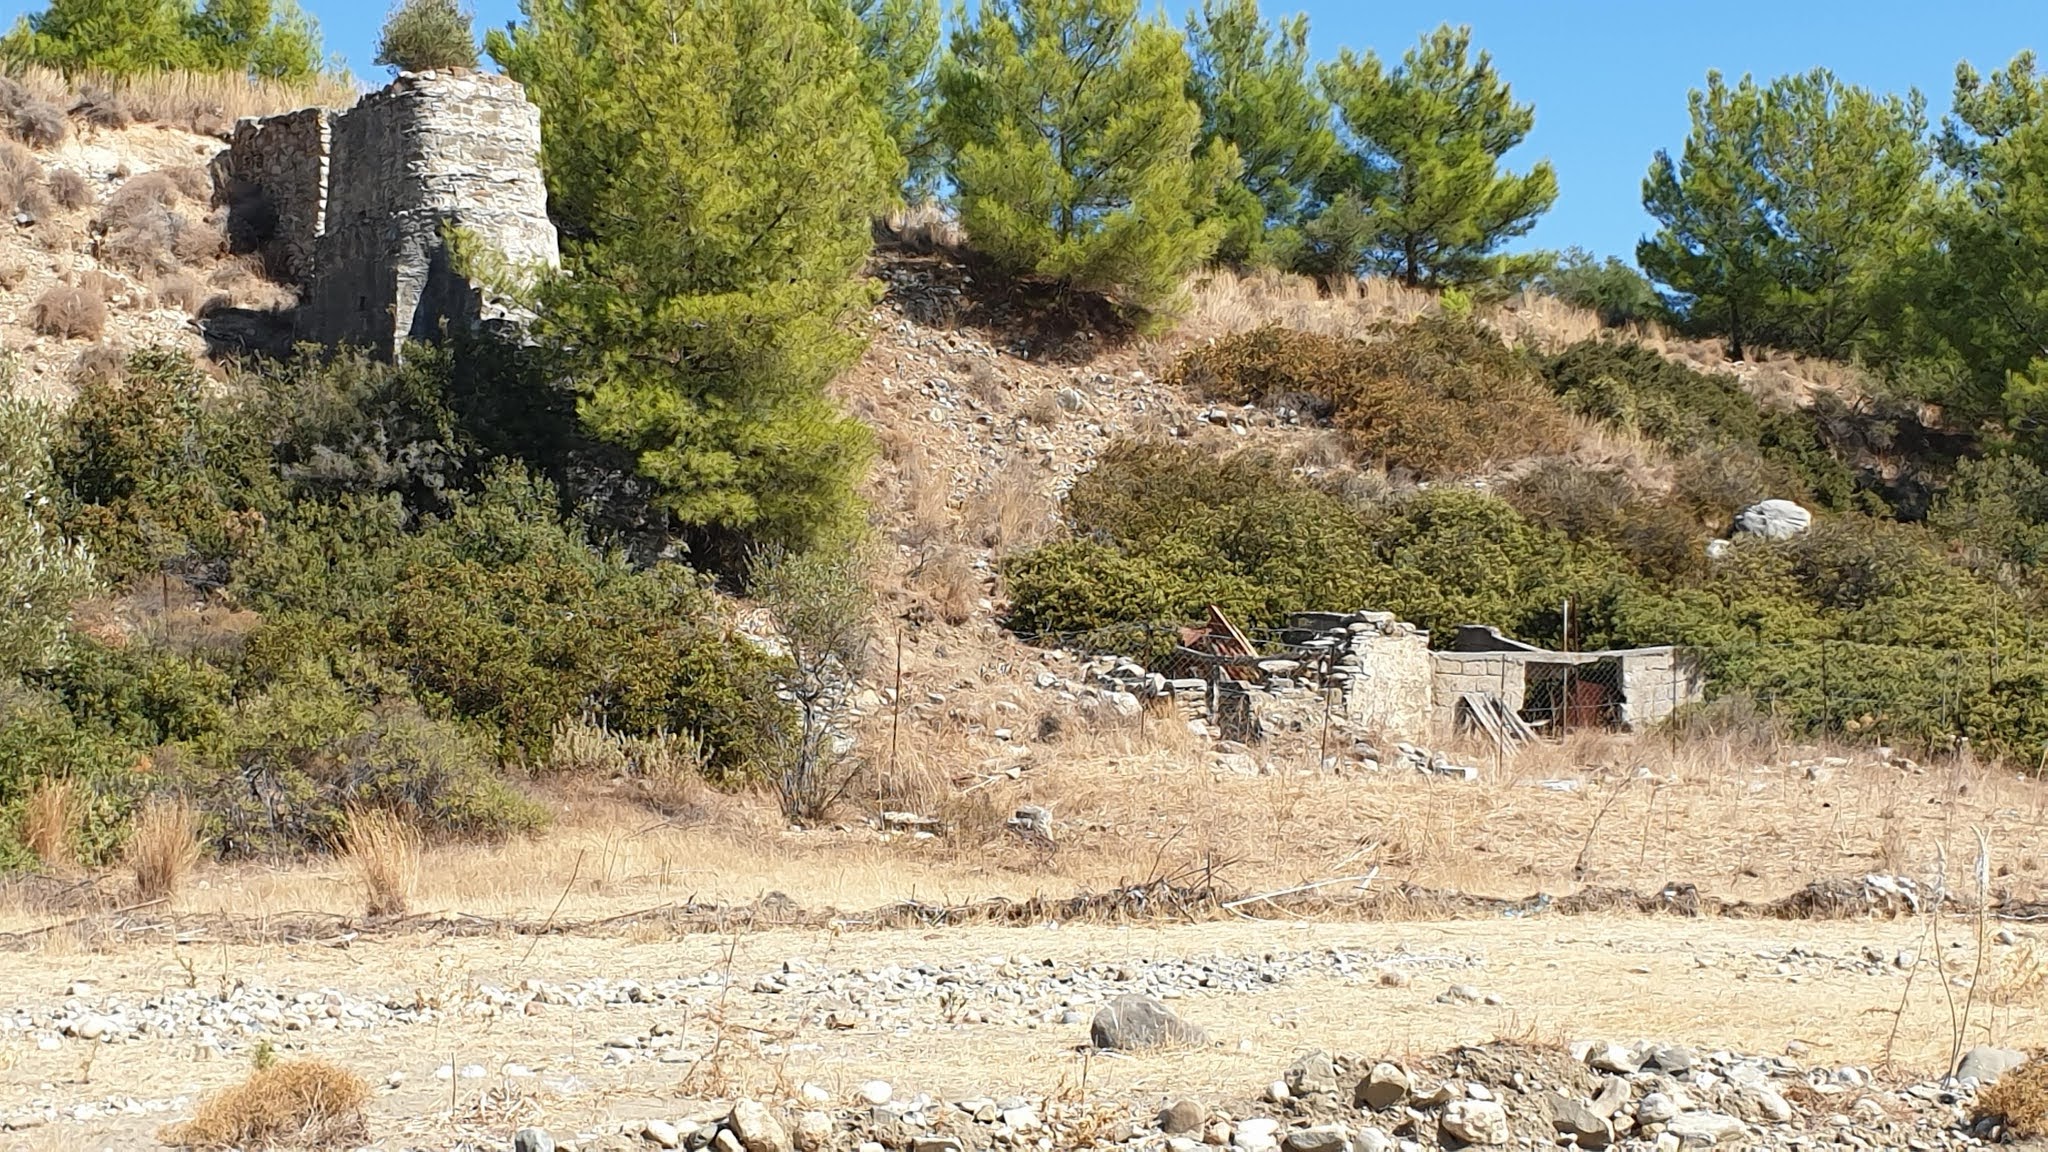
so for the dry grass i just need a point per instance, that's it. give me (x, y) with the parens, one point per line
(199, 102)
(923, 229)
(2018, 1101)
(49, 819)
(71, 190)
(1014, 509)
(180, 291)
(70, 312)
(382, 852)
(39, 124)
(163, 848)
(946, 577)
(290, 1104)
(22, 186)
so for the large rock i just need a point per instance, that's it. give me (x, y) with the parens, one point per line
(1129, 1023)
(1583, 1122)
(1181, 1116)
(1986, 1064)
(1323, 1138)
(1313, 1073)
(1476, 1122)
(1705, 1129)
(757, 1128)
(533, 1140)
(1383, 1087)
(1773, 520)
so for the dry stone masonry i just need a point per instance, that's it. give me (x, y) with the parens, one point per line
(359, 208)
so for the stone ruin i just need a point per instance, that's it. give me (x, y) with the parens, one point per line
(356, 208)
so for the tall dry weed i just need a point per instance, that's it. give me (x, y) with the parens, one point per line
(163, 848)
(383, 853)
(49, 820)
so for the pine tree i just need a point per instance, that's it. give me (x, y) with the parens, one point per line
(1252, 83)
(1973, 304)
(899, 50)
(1071, 143)
(262, 38)
(1713, 249)
(714, 168)
(1425, 142)
(1785, 208)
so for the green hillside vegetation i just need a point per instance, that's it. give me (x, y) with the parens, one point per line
(1938, 620)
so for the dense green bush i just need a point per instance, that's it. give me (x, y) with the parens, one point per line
(41, 572)
(1441, 396)
(391, 609)
(258, 38)
(1861, 625)
(420, 35)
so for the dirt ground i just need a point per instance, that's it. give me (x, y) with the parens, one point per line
(1011, 1017)
(1755, 987)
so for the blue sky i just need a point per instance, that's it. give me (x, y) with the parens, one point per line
(1608, 79)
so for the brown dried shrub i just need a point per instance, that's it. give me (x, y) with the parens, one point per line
(11, 276)
(191, 181)
(70, 189)
(100, 285)
(139, 197)
(2018, 1101)
(292, 1103)
(98, 364)
(196, 241)
(1440, 396)
(70, 312)
(180, 291)
(102, 109)
(21, 179)
(40, 124)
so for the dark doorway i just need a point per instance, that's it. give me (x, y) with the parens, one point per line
(1560, 698)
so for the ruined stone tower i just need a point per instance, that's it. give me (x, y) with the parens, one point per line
(357, 207)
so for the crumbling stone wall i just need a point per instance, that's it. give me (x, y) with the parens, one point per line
(430, 155)
(273, 178)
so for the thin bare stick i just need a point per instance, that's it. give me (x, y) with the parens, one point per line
(573, 870)
(1363, 881)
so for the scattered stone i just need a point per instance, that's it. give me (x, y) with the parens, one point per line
(876, 1093)
(1255, 1135)
(1705, 1129)
(1313, 1073)
(1985, 1064)
(813, 1130)
(1133, 1022)
(662, 1133)
(1325, 1138)
(1181, 1116)
(1656, 1108)
(533, 1140)
(757, 1128)
(1581, 1121)
(1613, 1058)
(1476, 1121)
(1384, 1087)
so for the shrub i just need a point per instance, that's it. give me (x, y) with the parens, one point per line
(163, 848)
(70, 312)
(2018, 1100)
(420, 35)
(291, 1103)
(102, 109)
(1440, 396)
(21, 180)
(180, 291)
(40, 124)
(1615, 292)
(71, 190)
(41, 572)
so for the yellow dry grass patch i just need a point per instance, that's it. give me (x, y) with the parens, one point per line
(163, 848)
(204, 101)
(48, 819)
(291, 1104)
(382, 852)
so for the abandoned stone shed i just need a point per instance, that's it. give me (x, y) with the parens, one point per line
(1393, 680)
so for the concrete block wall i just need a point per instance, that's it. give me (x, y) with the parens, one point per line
(1391, 693)
(1452, 674)
(430, 152)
